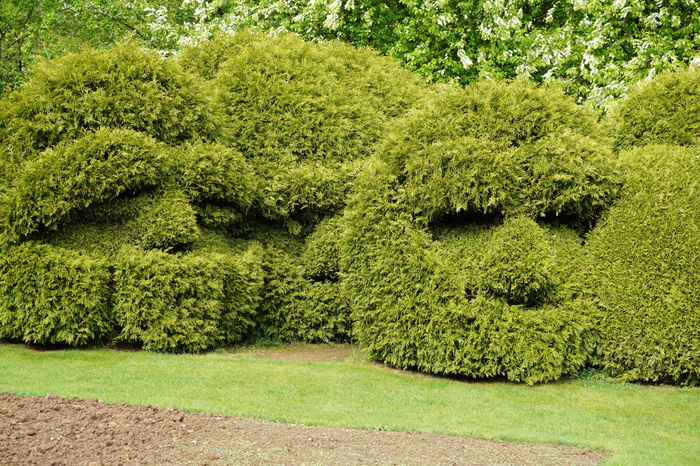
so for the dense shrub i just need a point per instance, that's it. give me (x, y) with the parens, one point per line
(167, 221)
(183, 303)
(497, 147)
(284, 102)
(295, 309)
(646, 265)
(320, 258)
(75, 175)
(516, 264)
(419, 303)
(665, 110)
(211, 173)
(53, 295)
(121, 87)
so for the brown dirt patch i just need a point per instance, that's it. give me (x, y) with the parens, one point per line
(51, 430)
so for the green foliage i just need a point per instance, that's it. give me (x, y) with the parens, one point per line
(77, 174)
(121, 87)
(307, 192)
(665, 110)
(168, 221)
(325, 101)
(516, 264)
(645, 263)
(213, 173)
(321, 256)
(496, 147)
(294, 309)
(53, 295)
(417, 303)
(184, 303)
(598, 49)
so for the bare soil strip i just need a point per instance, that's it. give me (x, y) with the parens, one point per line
(50, 430)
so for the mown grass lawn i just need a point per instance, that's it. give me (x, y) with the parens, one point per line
(637, 424)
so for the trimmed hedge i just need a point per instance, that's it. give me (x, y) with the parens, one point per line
(53, 295)
(293, 308)
(496, 147)
(124, 87)
(184, 303)
(412, 306)
(516, 265)
(665, 110)
(645, 262)
(168, 221)
(78, 174)
(509, 303)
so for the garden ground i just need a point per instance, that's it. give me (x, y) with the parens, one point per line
(55, 430)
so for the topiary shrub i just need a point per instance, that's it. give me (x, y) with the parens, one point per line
(497, 147)
(516, 265)
(664, 110)
(168, 221)
(295, 309)
(53, 295)
(299, 112)
(504, 298)
(213, 175)
(76, 175)
(645, 263)
(124, 86)
(183, 303)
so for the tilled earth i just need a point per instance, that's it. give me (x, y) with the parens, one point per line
(50, 430)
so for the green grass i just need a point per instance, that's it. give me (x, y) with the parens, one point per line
(637, 424)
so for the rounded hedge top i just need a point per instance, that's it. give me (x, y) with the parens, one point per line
(286, 99)
(122, 87)
(665, 110)
(496, 147)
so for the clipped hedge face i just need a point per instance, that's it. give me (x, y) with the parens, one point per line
(442, 306)
(78, 174)
(53, 295)
(121, 87)
(496, 147)
(665, 110)
(646, 264)
(115, 156)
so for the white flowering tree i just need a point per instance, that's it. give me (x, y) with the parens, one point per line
(598, 48)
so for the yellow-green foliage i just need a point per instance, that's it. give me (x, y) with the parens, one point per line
(78, 174)
(321, 256)
(665, 110)
(504, 305)
(496, 147)
(646, 266)
(516, 264)
(53, 295)
(317, 102)
(121, 87)
(184, 303)
(294, 308)
(211, 173)
(167, 221)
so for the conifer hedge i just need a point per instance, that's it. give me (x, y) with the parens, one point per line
(508, 304)
(123, 156)
(664, 110)
(53, 295)
(645, 268)
(267, 187)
